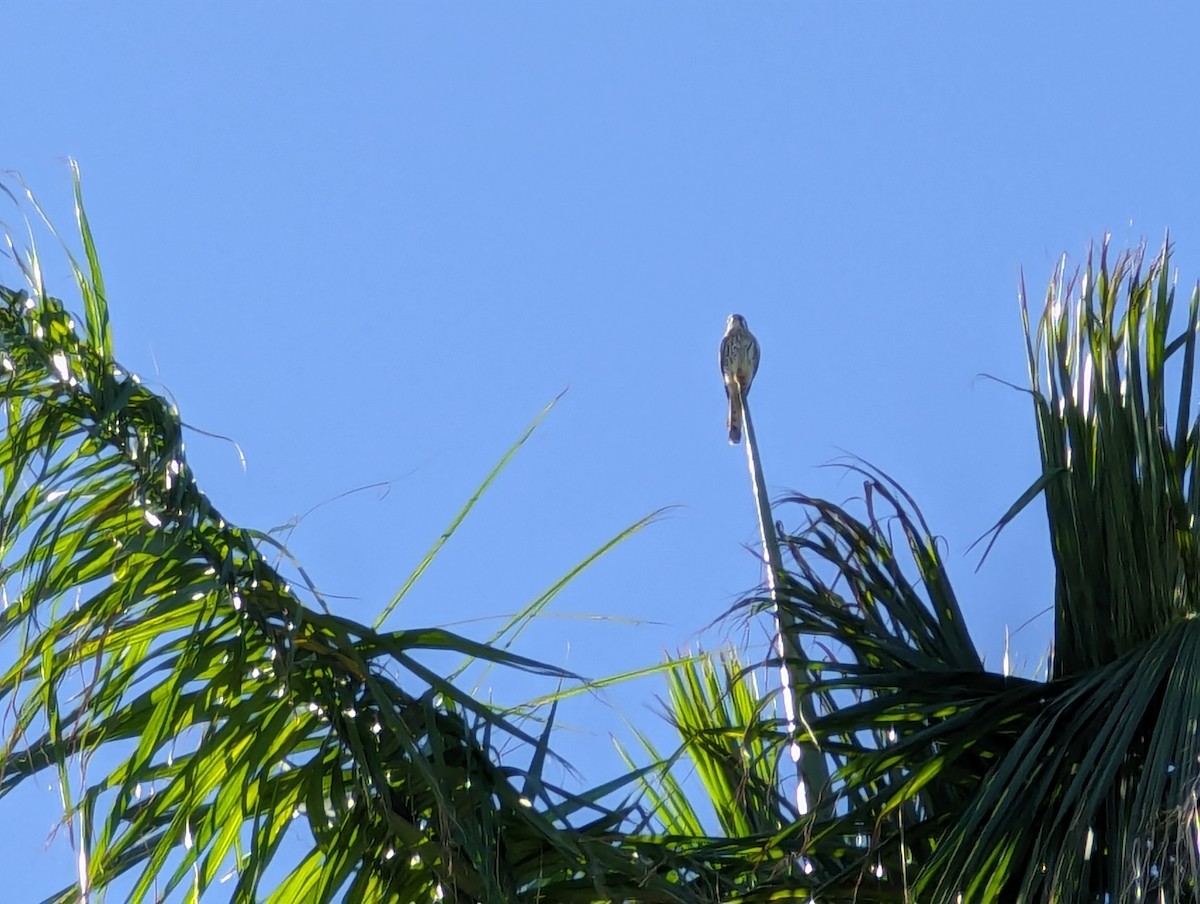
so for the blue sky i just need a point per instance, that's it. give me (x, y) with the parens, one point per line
(371, 246)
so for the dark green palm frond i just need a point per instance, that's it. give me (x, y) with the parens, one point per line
(1120, 437)
(952, 780)
(878, 711)
(148, 624)
(901, 684)
(215, 706)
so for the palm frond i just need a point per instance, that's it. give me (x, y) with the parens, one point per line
(1122, 442)
(217, 704)
(950, 782)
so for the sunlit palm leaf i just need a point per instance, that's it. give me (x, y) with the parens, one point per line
(212, 708)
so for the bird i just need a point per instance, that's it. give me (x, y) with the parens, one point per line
(739, 364)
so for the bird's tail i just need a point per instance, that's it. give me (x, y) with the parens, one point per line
(735, 417)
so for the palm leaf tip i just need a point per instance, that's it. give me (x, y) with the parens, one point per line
(1113, 406)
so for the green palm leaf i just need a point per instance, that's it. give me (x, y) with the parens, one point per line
(949, 780)
(214, 704)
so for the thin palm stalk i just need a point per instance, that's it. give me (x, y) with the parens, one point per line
(812, 792)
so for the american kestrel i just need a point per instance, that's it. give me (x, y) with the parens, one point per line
(739, 364)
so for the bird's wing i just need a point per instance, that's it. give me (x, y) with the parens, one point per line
(723, 354)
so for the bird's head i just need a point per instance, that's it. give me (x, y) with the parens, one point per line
(736, 321)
